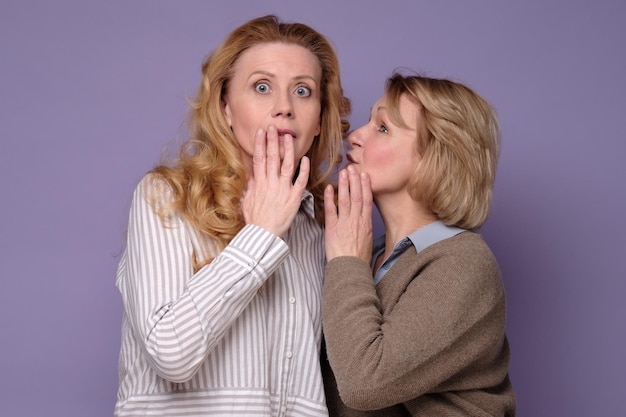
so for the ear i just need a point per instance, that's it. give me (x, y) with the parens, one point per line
(227, 113)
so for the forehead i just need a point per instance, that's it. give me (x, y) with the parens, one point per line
(406, 109)
(279, 59)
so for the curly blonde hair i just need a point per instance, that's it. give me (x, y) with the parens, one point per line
(458, 142)
(208, 178)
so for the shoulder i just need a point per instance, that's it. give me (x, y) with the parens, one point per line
(155, 190)
(153, 183)
(468, 248)
(154, 196)
(464, 262)
(461, 268)
(468, 259)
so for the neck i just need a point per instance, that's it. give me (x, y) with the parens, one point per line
(401, 217)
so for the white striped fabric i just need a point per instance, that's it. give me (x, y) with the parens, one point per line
(240, 337)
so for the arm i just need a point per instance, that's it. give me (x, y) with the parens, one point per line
(434, 323)
(179, 317)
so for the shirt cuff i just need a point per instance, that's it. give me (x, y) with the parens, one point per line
(257, 250)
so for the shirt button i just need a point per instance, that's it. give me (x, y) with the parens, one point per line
(292, 300)
(251, 264)
(289, 354)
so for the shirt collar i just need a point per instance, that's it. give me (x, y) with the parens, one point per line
(431, 234)
(421, 238)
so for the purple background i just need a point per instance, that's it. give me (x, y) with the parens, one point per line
(91, 94)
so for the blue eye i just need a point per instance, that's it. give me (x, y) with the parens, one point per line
(303, 91)
(383, 129)
(262, 88)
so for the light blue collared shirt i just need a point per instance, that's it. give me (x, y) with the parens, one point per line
(420, 239)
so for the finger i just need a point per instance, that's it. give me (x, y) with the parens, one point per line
(258, 157)
(368, 199)
(287, 166)
(356, 193)
(330, 209)
(273, 152)
(343, 194)
(303, 175)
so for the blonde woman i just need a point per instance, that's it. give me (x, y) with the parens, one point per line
(221, 279)
(414, 326)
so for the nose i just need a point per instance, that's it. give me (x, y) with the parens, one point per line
(355, 138)
(283, 106)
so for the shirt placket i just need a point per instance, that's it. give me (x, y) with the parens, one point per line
(289, 332)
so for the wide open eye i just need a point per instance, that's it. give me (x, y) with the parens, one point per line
(262, 88)
(303, 91)
(383, 129)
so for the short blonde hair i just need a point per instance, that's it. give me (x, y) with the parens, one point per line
(458, 141)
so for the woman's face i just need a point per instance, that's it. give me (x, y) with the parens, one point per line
(274, 84)
(384, 150)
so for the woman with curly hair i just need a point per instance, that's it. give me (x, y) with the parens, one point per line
(221, 279)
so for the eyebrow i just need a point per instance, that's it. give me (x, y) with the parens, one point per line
(378, 109)
(271, 75)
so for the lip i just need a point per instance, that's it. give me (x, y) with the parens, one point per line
(283, 132)
(350, 159)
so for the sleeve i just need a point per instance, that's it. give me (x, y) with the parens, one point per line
(179, 317)
(447, 323)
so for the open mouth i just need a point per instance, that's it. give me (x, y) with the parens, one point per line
(283, 132)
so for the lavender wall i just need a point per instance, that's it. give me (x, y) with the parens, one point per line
(90, 94)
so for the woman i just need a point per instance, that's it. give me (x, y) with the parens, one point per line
(415, 327)
(221, 278)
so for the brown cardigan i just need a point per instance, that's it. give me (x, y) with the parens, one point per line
(428, 340)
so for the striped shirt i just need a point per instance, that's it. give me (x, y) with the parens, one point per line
(239, 337)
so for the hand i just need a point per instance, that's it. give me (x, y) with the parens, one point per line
(272, 200)
(349, 229)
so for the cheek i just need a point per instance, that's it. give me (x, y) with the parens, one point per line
(247, 113)
(302, 147)
(244, 127)
(378, 156)
(244, 133)
(310, 115)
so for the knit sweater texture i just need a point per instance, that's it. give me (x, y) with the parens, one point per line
(428, 340)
